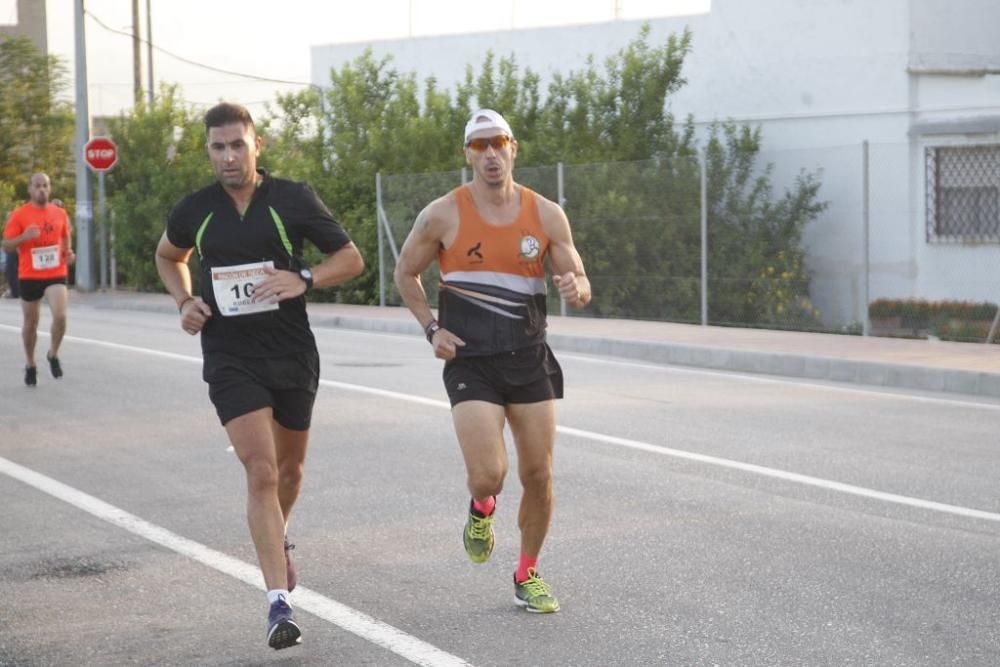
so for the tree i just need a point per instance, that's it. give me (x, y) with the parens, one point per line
(632, 184)
(375, 123)
(757, 270)
(161, 151)
(631, 179)
(36, 127)
(618, 114)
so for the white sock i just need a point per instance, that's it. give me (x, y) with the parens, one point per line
(276, 594)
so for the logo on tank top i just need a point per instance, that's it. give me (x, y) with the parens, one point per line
(530, 247)
(474, 250)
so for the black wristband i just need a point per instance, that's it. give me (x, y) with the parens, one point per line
(432, 328)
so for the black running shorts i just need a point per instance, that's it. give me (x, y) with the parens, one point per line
(33, 290)
(528, 375)
(286, 384)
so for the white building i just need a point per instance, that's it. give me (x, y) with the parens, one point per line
(917, 79)
(29, 21)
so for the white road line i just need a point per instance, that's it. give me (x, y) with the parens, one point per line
(712, 460)
(765, 471)
(786, 476)
(371, 629)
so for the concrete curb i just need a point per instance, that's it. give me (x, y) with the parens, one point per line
(387, 325)
(849, 371)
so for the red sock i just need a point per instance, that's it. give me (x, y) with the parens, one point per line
(523, 566)
(485, 507)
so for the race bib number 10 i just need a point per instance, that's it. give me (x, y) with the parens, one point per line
(46, 257)
(234, 285)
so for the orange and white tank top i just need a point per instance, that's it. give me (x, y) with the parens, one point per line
(492, 292)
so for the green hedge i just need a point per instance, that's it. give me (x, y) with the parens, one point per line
(929, 310)
(947, 320)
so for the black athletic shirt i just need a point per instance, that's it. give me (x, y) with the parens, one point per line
(281, 214)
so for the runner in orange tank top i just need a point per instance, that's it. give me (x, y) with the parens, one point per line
(491, 239)
(40, 233)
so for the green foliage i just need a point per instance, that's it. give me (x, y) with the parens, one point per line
(36, 128)
(640, 241)
(161, 158)
(292, 144)
(635, 223)
(617, 115)
(636, 226)
(922, 309)
(756, 267)
(920, 318)
(632, 184)
(376, 123)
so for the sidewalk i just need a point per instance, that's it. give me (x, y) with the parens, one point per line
(961, 368)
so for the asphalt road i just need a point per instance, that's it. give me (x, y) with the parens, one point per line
(703, 518)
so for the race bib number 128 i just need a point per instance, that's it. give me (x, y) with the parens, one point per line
(45, 258)
(234, 286)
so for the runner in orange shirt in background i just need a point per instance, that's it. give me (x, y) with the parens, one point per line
(40, 233)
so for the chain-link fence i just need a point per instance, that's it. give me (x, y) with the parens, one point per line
(887, 239)
(635, 224)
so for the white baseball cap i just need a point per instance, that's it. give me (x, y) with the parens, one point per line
(486, 119)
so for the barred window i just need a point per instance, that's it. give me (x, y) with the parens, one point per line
(963, 193)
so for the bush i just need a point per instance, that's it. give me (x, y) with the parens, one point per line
(947, 320)
(928, 310)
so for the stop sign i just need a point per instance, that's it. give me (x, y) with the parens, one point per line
(100, 153)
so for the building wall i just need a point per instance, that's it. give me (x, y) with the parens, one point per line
(955, 70)
(954, 36)
(828, 62)
(544, 51)
(819, 77)
(31, 23)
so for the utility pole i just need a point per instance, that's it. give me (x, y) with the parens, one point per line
(136, 53)
(149, 50)
(84, 206)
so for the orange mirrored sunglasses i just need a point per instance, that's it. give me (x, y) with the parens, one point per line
(498, 142)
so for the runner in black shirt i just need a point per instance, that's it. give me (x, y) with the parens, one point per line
(260, 358)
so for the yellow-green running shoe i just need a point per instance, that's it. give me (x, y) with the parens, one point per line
(478, 536)
(534, 594)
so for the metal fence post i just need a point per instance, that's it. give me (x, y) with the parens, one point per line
(102, 211)
(112, 258)
(378, 225)
(993, 328)
(562, 201)
(865, 232)
(703, 176)
(84, 204)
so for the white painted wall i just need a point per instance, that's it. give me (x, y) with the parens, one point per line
(819, 77)
(954, 35)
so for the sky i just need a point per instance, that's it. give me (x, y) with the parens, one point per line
(272, 39)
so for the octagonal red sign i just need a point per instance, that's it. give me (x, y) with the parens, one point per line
(100, 153)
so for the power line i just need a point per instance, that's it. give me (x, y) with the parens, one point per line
(192, 62)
